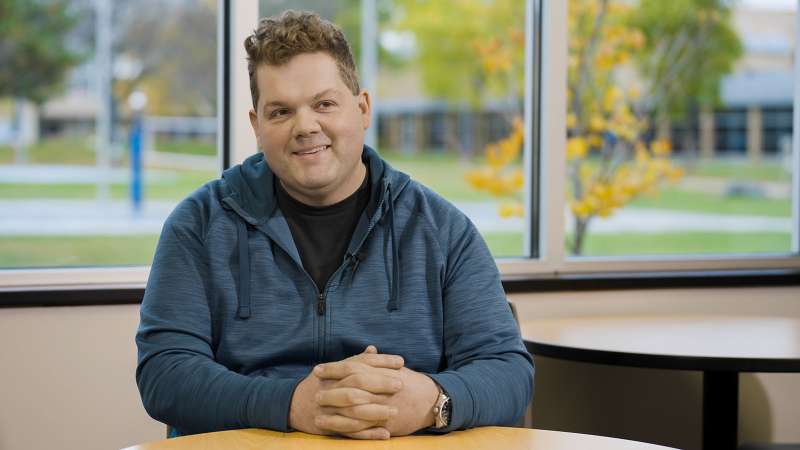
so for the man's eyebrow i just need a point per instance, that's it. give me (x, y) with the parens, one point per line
(325, 93)
(278, 103)
(273, 103)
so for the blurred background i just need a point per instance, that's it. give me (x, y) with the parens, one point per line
(679, 124)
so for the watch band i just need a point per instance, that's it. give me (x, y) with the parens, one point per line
(441, 410)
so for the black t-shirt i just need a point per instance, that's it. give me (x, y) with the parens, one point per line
(322, 234)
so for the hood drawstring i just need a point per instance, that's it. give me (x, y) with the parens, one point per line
(244, 270)
(395, 287)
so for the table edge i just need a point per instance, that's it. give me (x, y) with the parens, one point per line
(661, 361)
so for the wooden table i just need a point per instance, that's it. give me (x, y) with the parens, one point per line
(719, 346)
(487, 438)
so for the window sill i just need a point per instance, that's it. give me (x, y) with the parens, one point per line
(77, 293)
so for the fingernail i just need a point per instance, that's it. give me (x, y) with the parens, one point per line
(317, 370)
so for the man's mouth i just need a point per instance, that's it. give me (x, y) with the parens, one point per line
(312, 150)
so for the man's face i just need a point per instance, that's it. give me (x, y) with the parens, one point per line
(310, 127)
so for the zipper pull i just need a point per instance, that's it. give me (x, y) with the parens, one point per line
(321, 304)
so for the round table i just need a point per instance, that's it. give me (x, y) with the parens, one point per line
(486, 438)
(719, 346)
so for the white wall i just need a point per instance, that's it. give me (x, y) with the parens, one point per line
(67, 376)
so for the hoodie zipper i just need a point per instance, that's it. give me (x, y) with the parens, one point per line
(322, 296)
(321, 304)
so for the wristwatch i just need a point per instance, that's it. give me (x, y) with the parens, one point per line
(441, 409)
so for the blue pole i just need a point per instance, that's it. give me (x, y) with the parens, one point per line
(136, 163)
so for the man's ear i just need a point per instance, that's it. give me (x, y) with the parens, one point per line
(254, 121)
(365, 106)
(254, 124)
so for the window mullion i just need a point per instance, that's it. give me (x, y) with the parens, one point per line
(244, 19)
(796, 140)
(553, 105)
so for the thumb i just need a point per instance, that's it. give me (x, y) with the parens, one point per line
(371, 349)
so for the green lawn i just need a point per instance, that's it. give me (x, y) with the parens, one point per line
(80, 150)
(202, 147)
(442, 172)
(628, 244)
(57, 251)
(740, 170)
(67, 150)
(175, 189)
(682, 200)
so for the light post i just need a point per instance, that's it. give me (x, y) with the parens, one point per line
(137, 101)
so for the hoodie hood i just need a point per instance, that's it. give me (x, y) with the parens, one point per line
(249, 190)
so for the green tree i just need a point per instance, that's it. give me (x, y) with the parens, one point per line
(174, 45)
(34, 57)
(468, 50)
(690, 45)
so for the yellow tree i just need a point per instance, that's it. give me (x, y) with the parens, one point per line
(609, 160)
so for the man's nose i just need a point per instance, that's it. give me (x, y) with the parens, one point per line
(306, 124)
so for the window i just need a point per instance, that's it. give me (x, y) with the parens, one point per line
(710, 179)
(679, 128)
(448, 85)
(107, 74)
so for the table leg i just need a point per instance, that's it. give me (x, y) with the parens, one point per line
(720, 410)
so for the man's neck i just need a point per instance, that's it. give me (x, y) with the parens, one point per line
(319, 199)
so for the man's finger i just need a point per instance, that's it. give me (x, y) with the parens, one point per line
(341, 424)
(370, 412)
(370, 433)
(382, 360)
(341, 369)
(374, 382)
(370, 349)
(344, 397)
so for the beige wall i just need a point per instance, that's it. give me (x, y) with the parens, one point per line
(659, 406)
(67, 376)
(67, 379)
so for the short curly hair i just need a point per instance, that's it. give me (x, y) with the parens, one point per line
(280, 38)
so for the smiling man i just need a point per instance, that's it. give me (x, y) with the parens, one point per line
(316, 288)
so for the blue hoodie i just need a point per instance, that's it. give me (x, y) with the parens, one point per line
(231, 322)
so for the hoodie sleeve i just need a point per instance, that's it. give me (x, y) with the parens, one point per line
(179, 381)
(489, 374)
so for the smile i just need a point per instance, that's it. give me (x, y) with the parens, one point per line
(312, 151)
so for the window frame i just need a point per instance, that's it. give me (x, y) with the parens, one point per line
(547, 261)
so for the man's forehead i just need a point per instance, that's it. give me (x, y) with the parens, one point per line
(301, 78)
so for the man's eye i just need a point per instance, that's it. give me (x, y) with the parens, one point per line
(278, 113)
(325, 104)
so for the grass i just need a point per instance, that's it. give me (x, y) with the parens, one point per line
(184, 183)
(60, 251)
(741, 171)
(79, 150)
(682, 200)
(201, 147)
(70, 150)
(442, 172)
(508, 244)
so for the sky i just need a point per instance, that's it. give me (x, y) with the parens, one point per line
(771, 4)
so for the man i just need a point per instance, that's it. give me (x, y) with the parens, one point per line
(314, 287)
